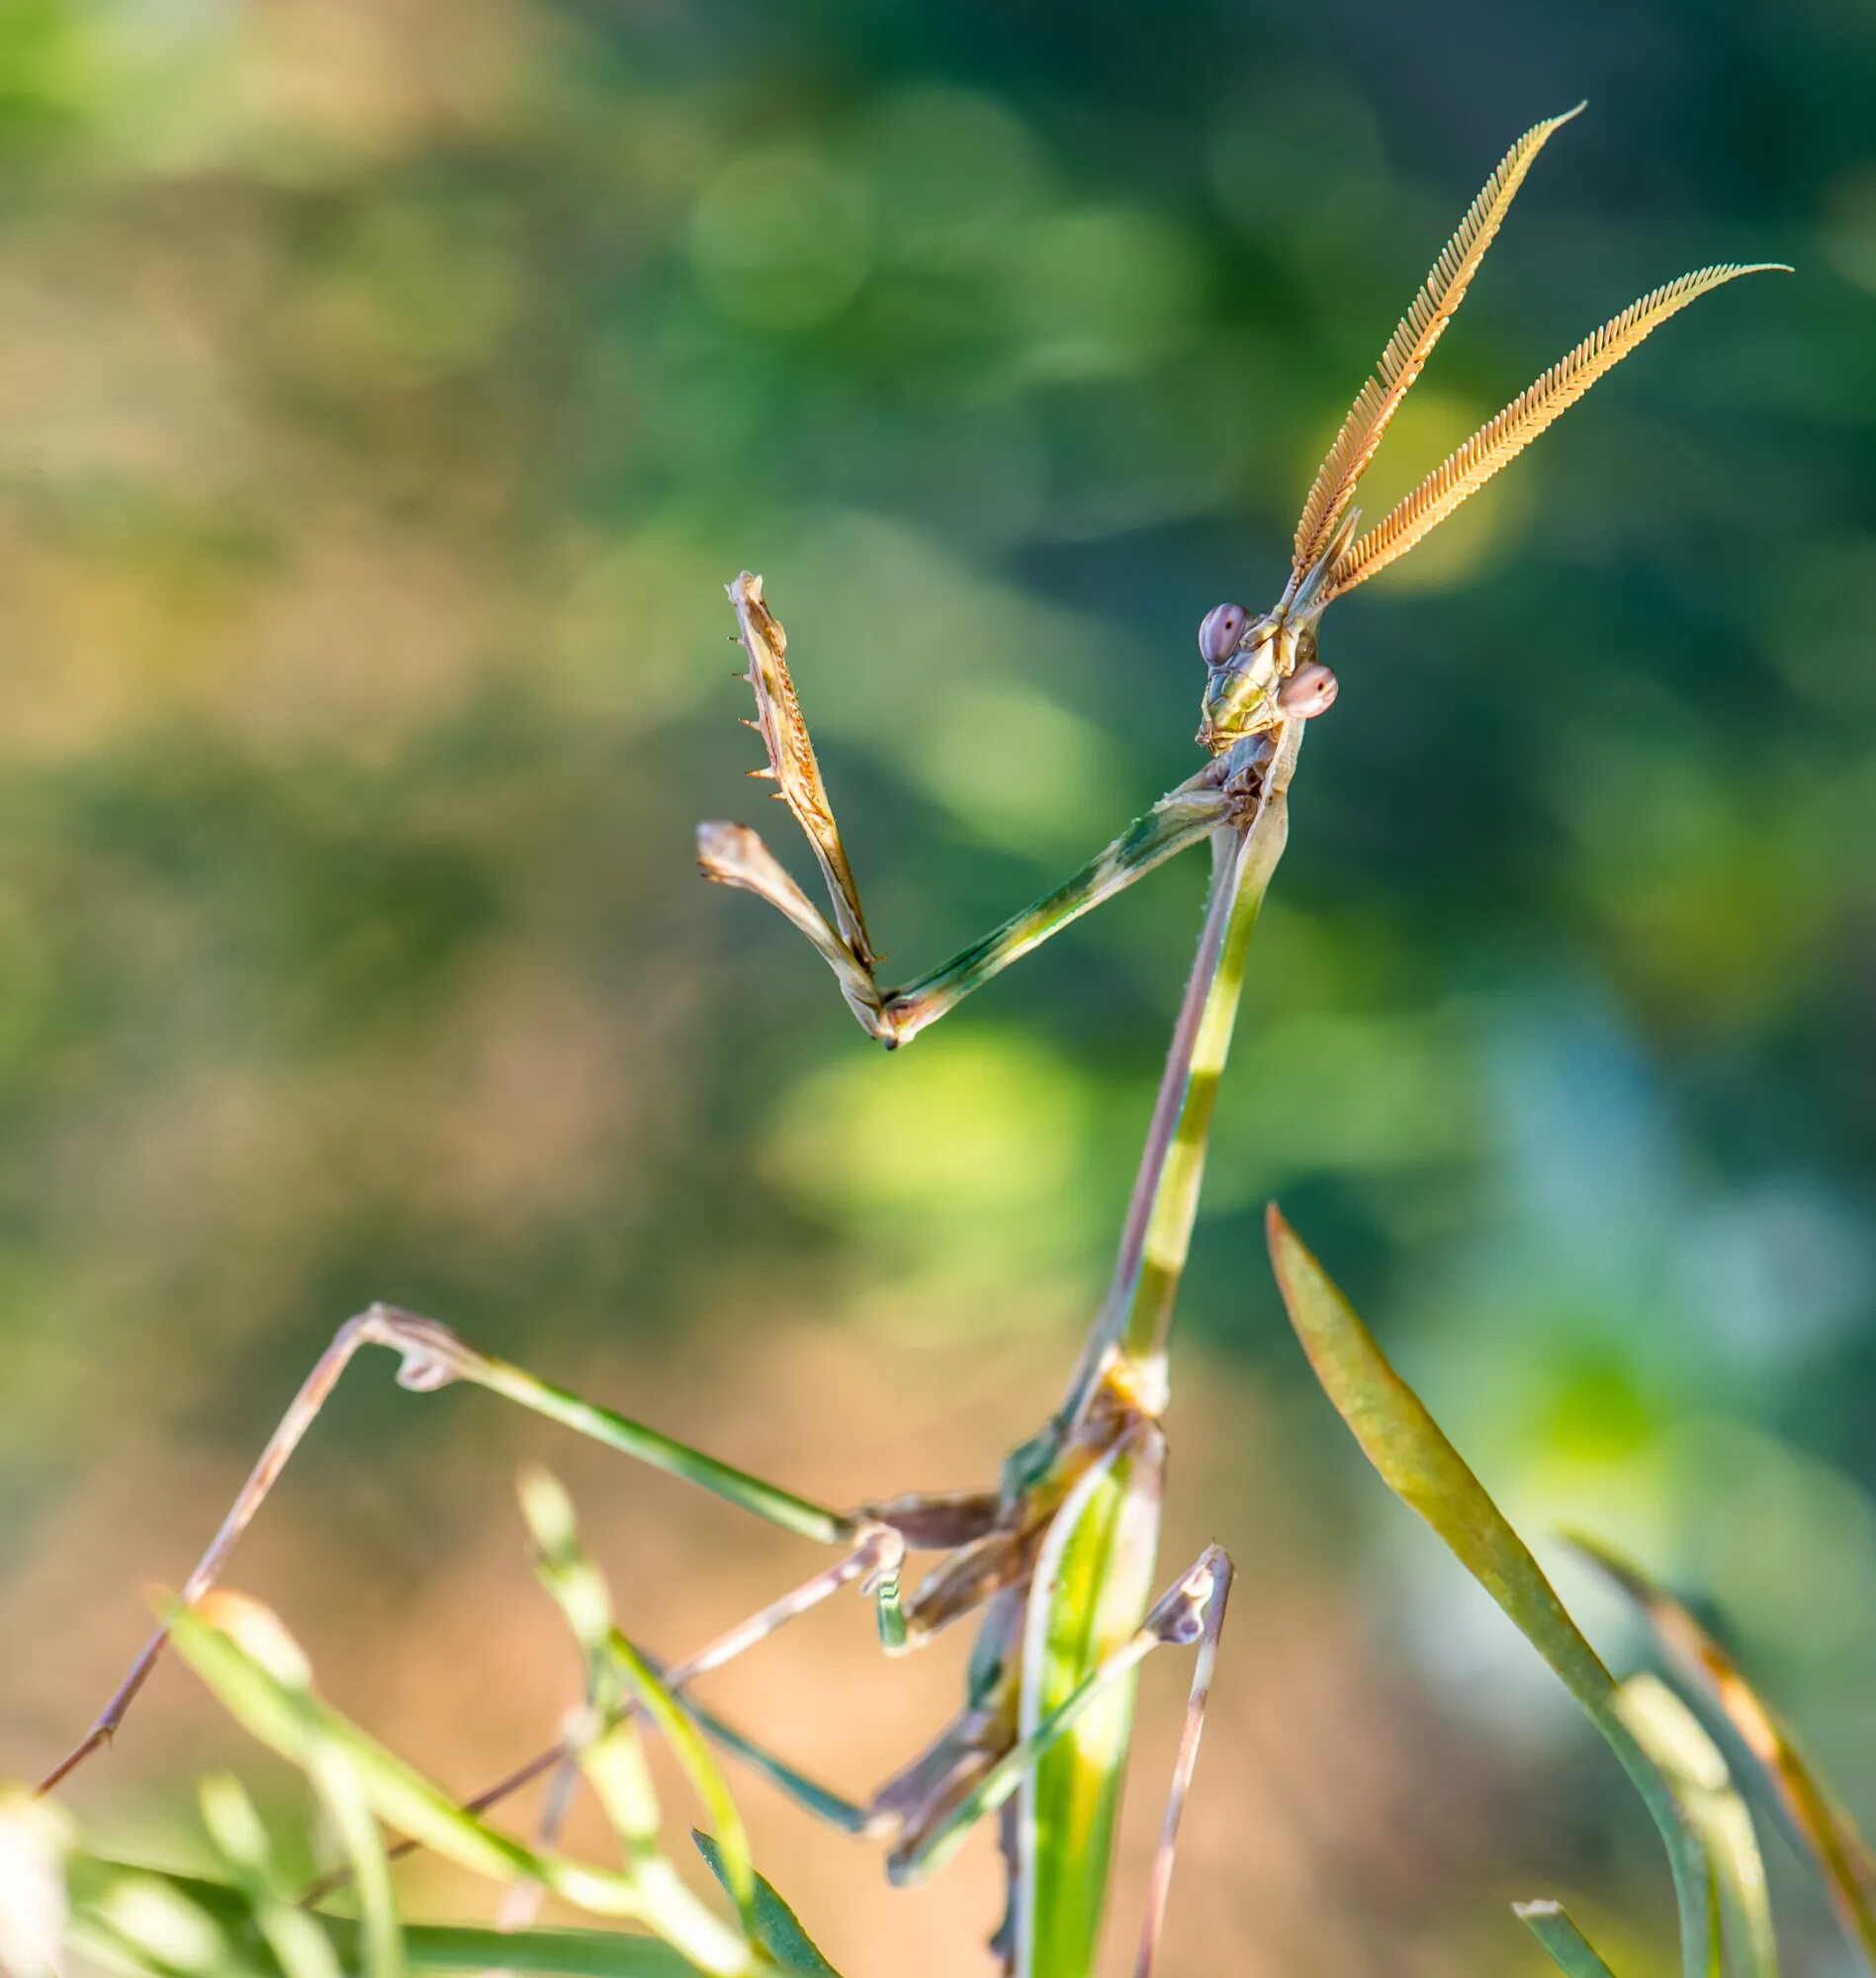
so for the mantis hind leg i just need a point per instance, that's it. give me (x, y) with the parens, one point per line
(434, 1357)
(951, 1521)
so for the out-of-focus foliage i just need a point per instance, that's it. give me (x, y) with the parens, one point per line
(1818, 1821)
(385, 394)
(251, 1918)
(1403, 1442)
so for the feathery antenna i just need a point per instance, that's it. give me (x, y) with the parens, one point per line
(1409, 347)
(1500, 440)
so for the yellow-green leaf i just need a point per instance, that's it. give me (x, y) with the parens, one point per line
(222, 1640)
(1424, 1469)
(1838, 1849)
(577, 1587)
(1406, 1445)
(1674, 1738)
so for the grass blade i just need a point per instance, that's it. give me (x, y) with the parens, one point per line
(342, 1793)
(240, 1838)
(154, 1924)
(576, 1584)
(1673, 1737)
(777, 1928)
(1826, 1830)
(240, 1651)
(578, 1953)
(1093, 1584)
(552, 1953)
(702, 1768)
(1570, 1951)
(825, 1805)
(1406, 1445)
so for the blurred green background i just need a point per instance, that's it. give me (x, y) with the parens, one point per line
(385, 394)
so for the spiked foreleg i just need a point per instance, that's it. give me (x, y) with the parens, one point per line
(735, 855)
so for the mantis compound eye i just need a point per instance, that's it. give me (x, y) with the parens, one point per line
(1308, 691)
(1224, 627)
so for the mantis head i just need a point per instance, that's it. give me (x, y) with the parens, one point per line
(1261, 672)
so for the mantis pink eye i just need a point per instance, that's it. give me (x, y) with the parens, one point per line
(1224, 627)
(1308, 691)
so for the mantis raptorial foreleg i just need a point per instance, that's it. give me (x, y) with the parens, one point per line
(434, 1357)
(735, 855)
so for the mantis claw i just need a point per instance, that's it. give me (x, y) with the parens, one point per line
(735, 855)
(791, 758)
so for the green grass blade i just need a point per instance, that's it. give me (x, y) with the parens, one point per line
(611, 1759)
(236, 1648)
(1570, 1951)
(777, 1928)
(592, 1953)
(1405, 1444)
(702, 1768)
(575, 1583)
(245, 1656)
(1824, 1827)
(1093, 1584)
(429, 1946)
(580, 1953)
(241, 1839)
(604, 1741)
(1673, 1737)
(824, 1804)
(153, 1923)
(347, 1806)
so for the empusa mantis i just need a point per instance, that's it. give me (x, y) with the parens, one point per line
(1057, 1559)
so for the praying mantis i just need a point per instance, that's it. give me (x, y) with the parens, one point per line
(1057, 1560)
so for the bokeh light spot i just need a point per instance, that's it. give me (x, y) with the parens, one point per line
(950, 167)
(1019, 769)
(1104, 290)
(781, 238)
(984, 1124)
(1847, 231)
